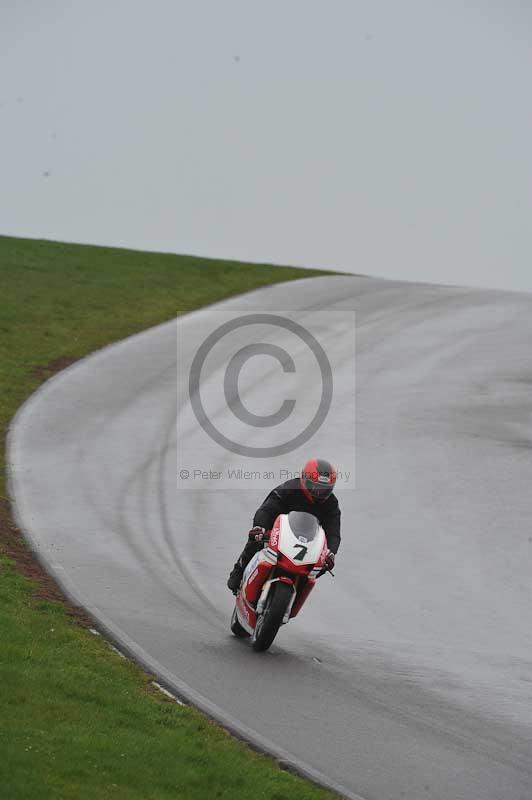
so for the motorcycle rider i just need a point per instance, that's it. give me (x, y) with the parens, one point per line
(311, 492)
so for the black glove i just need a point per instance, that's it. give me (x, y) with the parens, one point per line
(329, 561)
(258, 534)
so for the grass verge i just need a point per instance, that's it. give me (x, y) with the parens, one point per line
(76, 721)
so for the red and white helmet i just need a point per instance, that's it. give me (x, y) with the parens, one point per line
(318, 479)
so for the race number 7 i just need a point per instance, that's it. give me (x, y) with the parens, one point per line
(302, 552)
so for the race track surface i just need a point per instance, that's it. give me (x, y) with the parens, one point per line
(409, 675)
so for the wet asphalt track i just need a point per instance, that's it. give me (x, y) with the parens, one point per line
(410, 675)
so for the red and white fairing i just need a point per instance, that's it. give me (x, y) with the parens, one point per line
(291, 557)
(299, 551)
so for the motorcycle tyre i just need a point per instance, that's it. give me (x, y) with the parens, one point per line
(270, 620)
(236, 627)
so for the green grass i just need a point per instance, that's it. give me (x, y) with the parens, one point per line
(76, 721)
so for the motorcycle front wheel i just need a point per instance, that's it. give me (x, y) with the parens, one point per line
(271, 618)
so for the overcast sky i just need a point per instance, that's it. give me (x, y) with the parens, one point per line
(383, 137)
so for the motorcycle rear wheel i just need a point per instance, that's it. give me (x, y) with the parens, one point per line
(236, 627)
(271, 618)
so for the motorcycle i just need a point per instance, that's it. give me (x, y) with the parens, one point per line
(278, 579)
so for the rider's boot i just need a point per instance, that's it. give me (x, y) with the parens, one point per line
(235, 577)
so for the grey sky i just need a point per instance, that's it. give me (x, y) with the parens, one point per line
(388, 138)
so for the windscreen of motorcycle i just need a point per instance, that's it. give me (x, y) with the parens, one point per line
(301, 539)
